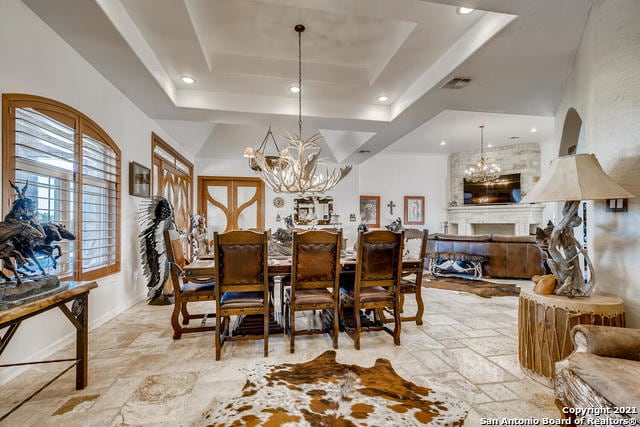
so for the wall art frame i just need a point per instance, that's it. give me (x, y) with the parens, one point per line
(139, 180)
(370, 211)
(414, 210)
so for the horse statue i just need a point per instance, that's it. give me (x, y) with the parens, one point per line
(53, 232)
(18, 232)
(10, 233)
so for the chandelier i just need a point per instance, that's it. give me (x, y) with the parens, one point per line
(298, 168)
(482, 172)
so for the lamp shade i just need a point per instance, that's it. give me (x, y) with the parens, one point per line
(575, 177)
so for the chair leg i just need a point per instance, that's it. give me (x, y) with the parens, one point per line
(281, 296)
(356, 334)
(398, 325)
(266, 331)
(420, 303)
(218, 332)
(185, 313)
(292, 328)
(336, 330)
(175, 320)
(401, 308)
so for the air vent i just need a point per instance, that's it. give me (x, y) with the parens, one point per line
(364, 151)
(514, 137)
(456, 83)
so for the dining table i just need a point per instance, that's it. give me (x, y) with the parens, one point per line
(278, 266)
(281, 266)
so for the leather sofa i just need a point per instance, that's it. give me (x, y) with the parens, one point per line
(514, 257)
(598, 382)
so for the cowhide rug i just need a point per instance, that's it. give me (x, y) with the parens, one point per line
(323, 392)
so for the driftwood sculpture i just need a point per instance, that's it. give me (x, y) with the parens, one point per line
(156, 216)
(565, 251)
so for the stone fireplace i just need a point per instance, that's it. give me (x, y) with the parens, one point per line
(509, 219)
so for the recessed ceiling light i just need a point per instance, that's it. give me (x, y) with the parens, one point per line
(464, 10)
(533, 130)
(443, 143)
(383, 98)
(294, 88)
(188, 80)
(489, 145)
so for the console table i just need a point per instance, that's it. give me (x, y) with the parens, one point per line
(78, 294)
(544, 326)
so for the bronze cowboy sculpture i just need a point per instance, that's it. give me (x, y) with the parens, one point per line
(23, 239)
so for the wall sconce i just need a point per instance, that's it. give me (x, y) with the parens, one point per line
(616, 205)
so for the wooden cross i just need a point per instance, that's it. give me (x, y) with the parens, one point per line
(391, 205)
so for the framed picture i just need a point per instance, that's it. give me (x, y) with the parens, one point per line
(414, 210)
(139, 180)
(370, 211)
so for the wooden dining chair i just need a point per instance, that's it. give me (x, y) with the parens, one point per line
(376, 285)
(314, 283)
(411, 282)
(242, 286)
(186, 291)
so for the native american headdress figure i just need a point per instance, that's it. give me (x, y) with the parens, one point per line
(155, 216)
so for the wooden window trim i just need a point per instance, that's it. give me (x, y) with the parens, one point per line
(83, 125)
(162, 163)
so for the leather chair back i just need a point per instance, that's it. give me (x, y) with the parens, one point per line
(241, 261)
(379, 259)
(316, 259)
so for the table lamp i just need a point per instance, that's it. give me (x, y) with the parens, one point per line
(571, 179)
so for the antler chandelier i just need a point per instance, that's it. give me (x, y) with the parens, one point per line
(482, 172)
(298, 168)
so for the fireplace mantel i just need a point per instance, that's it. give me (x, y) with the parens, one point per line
(479, 219)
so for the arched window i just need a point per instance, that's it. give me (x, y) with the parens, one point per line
(72, 168)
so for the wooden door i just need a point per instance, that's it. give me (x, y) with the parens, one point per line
(172, 178)
(231, 203)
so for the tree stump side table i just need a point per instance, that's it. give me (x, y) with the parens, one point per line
(544, 326)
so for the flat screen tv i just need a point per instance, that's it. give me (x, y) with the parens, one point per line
(504, 190)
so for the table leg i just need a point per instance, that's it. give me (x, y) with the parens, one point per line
(80, 311)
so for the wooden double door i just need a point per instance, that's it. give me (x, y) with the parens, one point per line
(231, 203)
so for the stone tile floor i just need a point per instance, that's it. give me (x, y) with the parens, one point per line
(138, 375)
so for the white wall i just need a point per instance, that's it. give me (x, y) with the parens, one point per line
(395, 175)
(36, 61)
(605, 90)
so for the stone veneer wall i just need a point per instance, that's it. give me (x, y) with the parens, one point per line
(521, 158)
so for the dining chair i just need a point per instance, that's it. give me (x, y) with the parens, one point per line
(376, 285)
(415, 248)
(314, 282)
(242, 286)
(186, 290)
